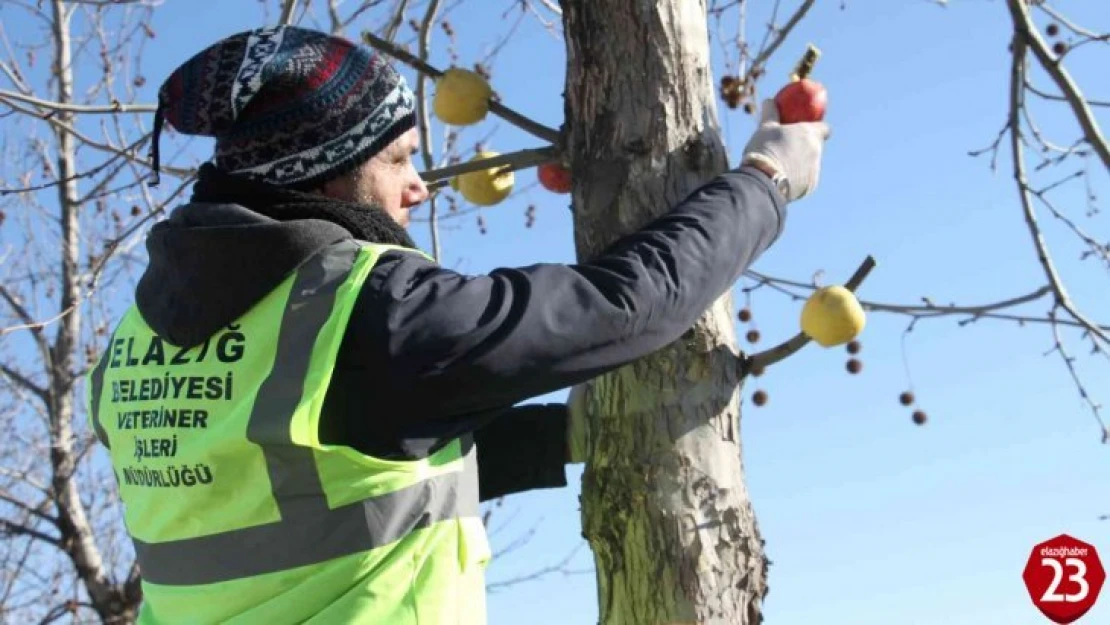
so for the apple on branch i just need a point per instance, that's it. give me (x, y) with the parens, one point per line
(832, 316)
(462, 97)
(485, 187)
(554, 177)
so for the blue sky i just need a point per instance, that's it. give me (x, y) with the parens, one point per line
(868, 519)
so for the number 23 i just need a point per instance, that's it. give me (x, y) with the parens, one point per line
(1079, 577)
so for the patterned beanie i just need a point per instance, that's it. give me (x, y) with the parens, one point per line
(288, 106)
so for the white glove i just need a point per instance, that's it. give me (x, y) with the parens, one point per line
(794, 150)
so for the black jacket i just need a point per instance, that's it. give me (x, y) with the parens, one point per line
(430, 353)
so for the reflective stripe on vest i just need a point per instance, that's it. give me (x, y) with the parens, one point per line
(312, 532)
(308, 530)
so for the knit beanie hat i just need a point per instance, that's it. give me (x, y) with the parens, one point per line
(289, 106)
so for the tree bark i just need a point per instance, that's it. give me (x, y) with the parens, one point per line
(665, 508)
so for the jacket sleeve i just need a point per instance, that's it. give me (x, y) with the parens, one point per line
(522, 449)
(437, 345)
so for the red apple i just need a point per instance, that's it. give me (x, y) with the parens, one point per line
(801, 101)
(554, 177)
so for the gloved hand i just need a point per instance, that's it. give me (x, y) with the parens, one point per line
(794, 150)
(577, 436)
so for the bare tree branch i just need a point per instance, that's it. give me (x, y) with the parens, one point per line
(551, 6)
(397, 21)
(780, 35)
(426, 117)
(1069, 362)
(103, 109)
(28, 323)
(85, 174)
(1059, 98)
(33, 511)
(1094, 248)
(1063, 19)
(287, 11)
(930, 310)
(10, 528)
(562, 567)
(127, 153)
(1017, 86)
(77, 537)
(1028, 34)
(24, 382)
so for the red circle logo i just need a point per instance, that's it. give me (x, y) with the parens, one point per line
(1064, 576)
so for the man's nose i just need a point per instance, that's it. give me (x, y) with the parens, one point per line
(416, 192)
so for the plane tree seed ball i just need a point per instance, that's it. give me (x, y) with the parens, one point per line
(759, 398)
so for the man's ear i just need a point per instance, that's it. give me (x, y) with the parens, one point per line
(334, 188)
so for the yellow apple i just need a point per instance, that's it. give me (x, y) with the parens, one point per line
(832, 316)
(462, 97)
(488, 186)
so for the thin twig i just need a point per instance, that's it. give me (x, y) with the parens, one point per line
(287, 11)
(1059, 98)
(426, 120)
(559, 567)
(96, 109)
(551, 6)
(10, 528)
(28, 322)
(24, 382)
(1063, 19)
(85, 174)
(781, 35)
(396, 21)
(92, 277)
(1095, 248)
(1069, 362)
(926, 309)
(35, 511)
(103, 147)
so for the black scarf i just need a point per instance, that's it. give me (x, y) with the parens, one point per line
(365, 222)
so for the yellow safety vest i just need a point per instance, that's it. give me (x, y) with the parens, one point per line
(240, 515)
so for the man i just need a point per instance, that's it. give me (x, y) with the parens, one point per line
(303, 411)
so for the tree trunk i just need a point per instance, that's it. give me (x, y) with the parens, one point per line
(115, 603)
(665, 508)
